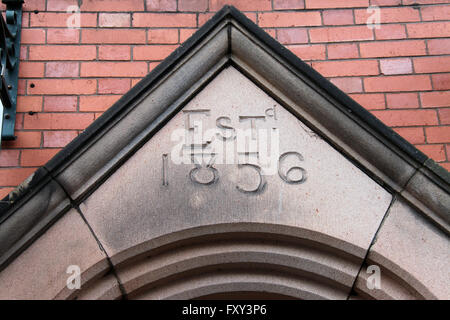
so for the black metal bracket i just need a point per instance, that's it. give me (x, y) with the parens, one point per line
(9, 65)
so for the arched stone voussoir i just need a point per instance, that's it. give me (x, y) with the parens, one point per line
(292, 252)
(42, 271)
(237, 281)
(412, 254)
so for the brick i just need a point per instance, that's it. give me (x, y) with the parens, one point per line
(342, 51)
(55, 52)
(62, 69)
(104, 36)
(337, 17)
(162, 36)
(25, 19)
(339, 34)
(22, 86)
(32, 5)
(161, 5)
(402, 118)
(60, 103)
(346, 68)
(14, 176)
(151, 66)
(204, 17)
(134, 81)
(413, 134)
(392, 49)
(19, 121)
(37, 157)
(117, 86)
(31, 69)
(444, 117)
(65, 20)
(435, 99)
(395, 66)
(272, 32)
(153, 52)
(289, 19)
(164, 20)
(23, 55)
(435, 13)
(192, 5)
(439, 46)
(58, 139)
(434, 151)
(288, 4)
(112, 5)
(29, 103)
(114, 52)
(63, 36)
(402, 100)
(186, 34)
(324, 4)
(116, 20)
(247, 5)
(24, 139)
(438, 134)
(9, 158)
(389, 15)
(390, 32)
(5, 191)
(32, 36)
(385, 2)
(406, 2)
(58, 121)
(63, 86)
(441, 81)
(370, 101)
(97, 103)
(429, 30)
(348, 85)
(397, 83)
(113, 69)
(60, 5)
(432, 64)
(308, 52)
(292, 35)
(446, 165)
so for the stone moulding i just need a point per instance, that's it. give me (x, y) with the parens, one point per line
(229, 38)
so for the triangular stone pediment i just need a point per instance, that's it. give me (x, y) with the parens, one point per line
(233, 154)
(233, 167)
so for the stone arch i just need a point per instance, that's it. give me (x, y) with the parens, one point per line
(253, 258)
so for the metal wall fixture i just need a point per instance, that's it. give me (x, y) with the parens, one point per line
(9, 64)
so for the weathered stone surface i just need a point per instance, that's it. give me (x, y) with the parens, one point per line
(413, 253)
(316, 268)
(431, 198)
(152, 196)
(40, 271)
(106, 288)
(25, 223)
(272, 282)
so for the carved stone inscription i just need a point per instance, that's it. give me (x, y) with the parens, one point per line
(231, 155)
(232, 143)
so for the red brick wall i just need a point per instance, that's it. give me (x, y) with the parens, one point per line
(68, 77)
